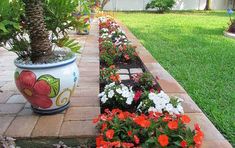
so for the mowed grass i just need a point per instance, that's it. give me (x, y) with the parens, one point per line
(191, 46)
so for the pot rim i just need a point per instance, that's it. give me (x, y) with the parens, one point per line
(45, 66)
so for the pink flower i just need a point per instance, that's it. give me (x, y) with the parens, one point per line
(36, 92)
(137, 95)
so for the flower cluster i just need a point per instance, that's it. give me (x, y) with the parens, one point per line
(160, 102)
(117, 95)
(128, 130)
(109, 75)
(114, 45)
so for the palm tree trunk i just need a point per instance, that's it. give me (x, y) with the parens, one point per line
(39, 38)
(208, 5)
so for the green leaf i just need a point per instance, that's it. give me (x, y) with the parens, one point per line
(17, 74)
(53, 82)
(3, 28)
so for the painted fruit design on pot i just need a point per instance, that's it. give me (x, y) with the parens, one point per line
(37, 91)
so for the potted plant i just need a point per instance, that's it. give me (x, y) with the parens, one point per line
(46, 72)
(230, 32)
(83, 15)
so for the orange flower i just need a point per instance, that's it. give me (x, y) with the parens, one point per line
(140, 120)
(183, 144)
(127, 145)
(163, 140)
(110, 134)
(114, 78)
(173, 125)
(99, 140)
(115, 144)
(121, 116)
(185, 119)
(198, 137)
(137, 140)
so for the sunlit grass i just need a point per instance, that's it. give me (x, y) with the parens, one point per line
(191, 46)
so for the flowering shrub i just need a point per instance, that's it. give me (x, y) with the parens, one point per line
(109, 75)
(127, 130)
(160, 102)
(114, 45)
(117, 95)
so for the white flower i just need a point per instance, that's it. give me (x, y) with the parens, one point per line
(104, 99)
(110, 93)
(101, 94)
(180, 108)
(169, 107)
(152, 109)
(129, 100)
(152, 96)
(119, 91)
(125, 94)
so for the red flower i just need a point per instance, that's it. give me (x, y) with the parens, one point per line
(36, 92)
(104, 126)
(185, 119)
(137, 95)
(127, 145)
(140, 120)
(183, 144)
(197, 127)
(163, 140)
(173, 125)
(110, 134)
(129, 133)
(126, 56)
(136, 139)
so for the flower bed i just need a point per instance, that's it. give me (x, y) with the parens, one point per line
(136, 112)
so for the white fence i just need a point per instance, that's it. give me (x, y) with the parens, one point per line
(131, 5)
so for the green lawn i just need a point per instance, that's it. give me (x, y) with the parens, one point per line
(191, 46)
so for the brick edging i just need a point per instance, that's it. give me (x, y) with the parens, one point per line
(213, 138)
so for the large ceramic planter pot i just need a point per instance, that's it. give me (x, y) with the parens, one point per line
(229, 34)
(48, 87)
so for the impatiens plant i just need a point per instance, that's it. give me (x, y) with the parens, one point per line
(114, 45)
(117, 95)
(109, 75)
(160, 102)
(128, 130)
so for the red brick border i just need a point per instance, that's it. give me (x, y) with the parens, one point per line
(213, 138)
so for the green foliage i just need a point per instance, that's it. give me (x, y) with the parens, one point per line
(58, 16)
(161, 5)
(11, 27)
(69, 43)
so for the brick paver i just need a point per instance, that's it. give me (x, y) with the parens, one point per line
(18, 120)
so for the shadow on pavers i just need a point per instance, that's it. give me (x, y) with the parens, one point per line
(48, 143)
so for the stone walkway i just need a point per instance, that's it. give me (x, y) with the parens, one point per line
(16, 118)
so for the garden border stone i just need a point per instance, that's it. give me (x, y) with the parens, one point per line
(229, 34)
(172, 87)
